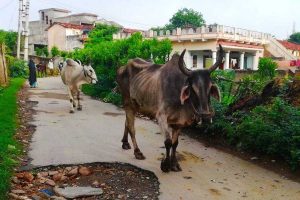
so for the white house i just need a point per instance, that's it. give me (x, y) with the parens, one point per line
(243, 47)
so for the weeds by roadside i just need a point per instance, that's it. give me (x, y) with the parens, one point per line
(9, 148)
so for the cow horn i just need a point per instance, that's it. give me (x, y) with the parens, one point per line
(219, 59)
(182, 68)
(79, 62)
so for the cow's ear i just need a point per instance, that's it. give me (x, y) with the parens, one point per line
(185, 94)
(215, 92)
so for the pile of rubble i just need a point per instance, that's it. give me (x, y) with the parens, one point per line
(93, 181)
(52, 184)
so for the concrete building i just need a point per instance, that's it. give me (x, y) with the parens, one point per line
(67, 36)
(243, 47)
(38, 30)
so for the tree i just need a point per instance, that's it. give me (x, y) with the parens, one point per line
(55, 51)
(9, 38)
(295, 38)
(185, 18)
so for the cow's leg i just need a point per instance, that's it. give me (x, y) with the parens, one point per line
(79, 106)
(71, 100)
(174, 163)
(125, 142)
(130, 117)
(165, 165)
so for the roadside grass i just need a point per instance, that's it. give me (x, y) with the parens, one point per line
(9, 147)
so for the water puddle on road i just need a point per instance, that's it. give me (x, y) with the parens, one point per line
(113, 114)
(50, 95)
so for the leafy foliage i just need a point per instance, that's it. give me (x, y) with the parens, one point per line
(17, 68)
(183, 18)
(107, 55)
(273, 129)
(55, 51)
(9, 38)
(186, 18)
(295, 38)
(42, 51)
(267, 68)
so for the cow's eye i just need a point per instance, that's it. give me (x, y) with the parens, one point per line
(91, 70)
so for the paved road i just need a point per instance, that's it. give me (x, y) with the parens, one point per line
(94, 135)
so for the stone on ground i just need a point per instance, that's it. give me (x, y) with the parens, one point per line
(75, 192)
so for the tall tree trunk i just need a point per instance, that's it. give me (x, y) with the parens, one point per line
(3, 68)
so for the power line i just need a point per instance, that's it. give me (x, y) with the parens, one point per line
(6, 5)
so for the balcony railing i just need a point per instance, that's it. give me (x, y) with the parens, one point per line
(206, 33)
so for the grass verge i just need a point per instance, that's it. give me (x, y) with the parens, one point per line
(9, 147)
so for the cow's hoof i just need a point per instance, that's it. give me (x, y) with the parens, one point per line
(79, 108)
(165, 165)
(71, 111)
(139, 155)
(175, 167)
(126, 145)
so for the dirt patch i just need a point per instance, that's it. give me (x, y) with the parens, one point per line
(118, 181)
(51, 95)
(25, 117)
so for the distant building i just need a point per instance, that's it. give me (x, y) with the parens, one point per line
(292, 47)
(243, 48)
(67, 36)
(38, 30)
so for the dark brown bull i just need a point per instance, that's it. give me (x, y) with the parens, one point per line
(174, 95)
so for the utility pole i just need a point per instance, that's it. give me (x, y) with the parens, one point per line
(20, 27)
(26, 29)
(23, 28)
(294, 27)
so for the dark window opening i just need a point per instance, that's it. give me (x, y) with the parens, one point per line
(194, 61)
(46, 19)
(50, 22)
(43, 16)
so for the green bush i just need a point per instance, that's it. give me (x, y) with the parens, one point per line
(18, 68)
(42, 51)
(226, 87)
(266, 68)
(271, 129)
(55, 51)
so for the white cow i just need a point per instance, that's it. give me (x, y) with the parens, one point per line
(73, 75)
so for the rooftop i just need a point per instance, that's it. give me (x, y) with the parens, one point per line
(71, 26)
(84, 14)
(55, 9)
(290, 45)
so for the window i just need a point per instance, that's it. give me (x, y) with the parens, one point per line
(50, 22)
(194, 61)
(43, 16)
(46, 19)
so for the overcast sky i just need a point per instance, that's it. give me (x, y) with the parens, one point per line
(271, 16)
